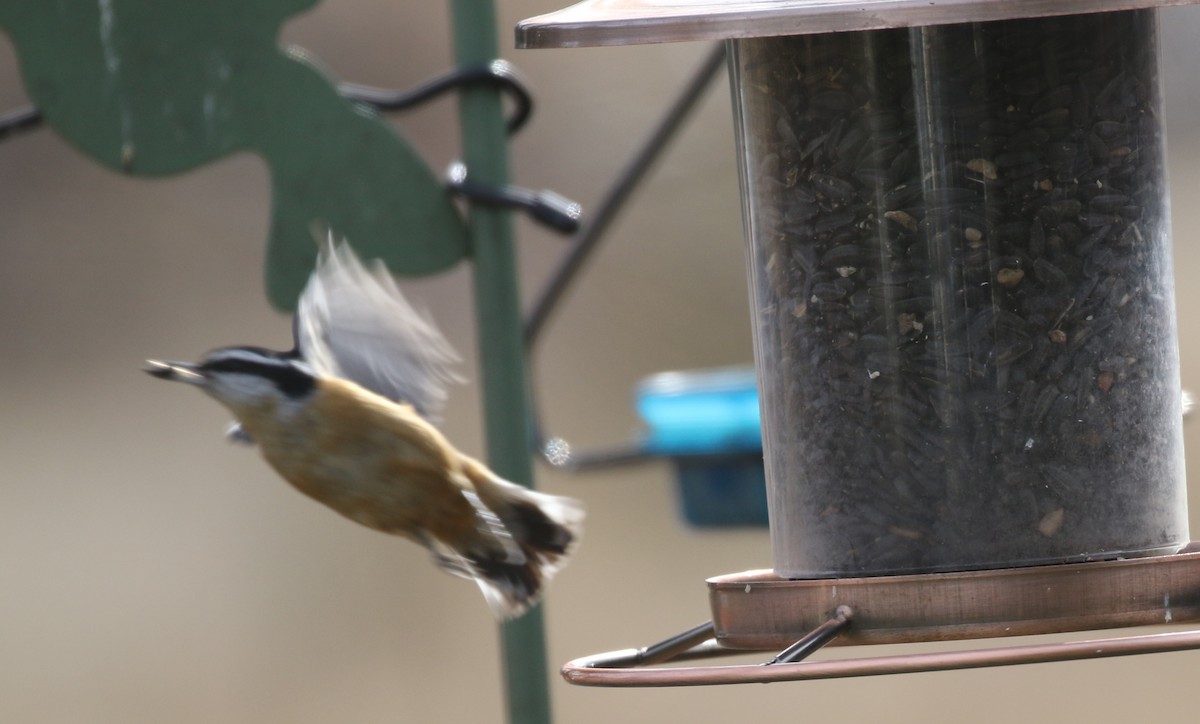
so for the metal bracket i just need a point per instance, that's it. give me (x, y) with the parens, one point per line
(499, 73)
(815, 639)
(547, 207)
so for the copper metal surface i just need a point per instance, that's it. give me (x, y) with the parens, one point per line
(605, 669)
(758, 610)
(631, 22)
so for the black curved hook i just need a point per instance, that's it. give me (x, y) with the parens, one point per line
(499, 73)
(546, 207)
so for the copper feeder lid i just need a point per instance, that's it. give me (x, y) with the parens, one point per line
(634, 22)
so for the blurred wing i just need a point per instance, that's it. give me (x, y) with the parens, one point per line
(353, 323)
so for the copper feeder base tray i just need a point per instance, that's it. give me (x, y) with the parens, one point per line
(757, 611)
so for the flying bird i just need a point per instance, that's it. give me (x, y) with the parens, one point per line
(348, 417)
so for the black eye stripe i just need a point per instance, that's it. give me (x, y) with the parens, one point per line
(291, 378)
(264, 368)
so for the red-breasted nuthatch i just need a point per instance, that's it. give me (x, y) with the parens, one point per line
(345, 418)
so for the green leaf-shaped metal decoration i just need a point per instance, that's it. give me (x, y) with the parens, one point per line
(149, 87)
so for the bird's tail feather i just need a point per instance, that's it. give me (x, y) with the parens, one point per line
(546, 530)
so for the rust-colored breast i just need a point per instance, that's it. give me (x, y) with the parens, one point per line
(372, 460)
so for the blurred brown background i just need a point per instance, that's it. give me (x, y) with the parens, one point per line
(151, 572)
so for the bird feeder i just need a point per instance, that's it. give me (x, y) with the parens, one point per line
(963, 307)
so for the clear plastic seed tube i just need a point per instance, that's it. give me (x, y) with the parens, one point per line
(962, 290)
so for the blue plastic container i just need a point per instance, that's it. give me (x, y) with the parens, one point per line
(707, 422)
(701, 412)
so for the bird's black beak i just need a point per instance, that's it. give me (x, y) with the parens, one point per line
(175, 371)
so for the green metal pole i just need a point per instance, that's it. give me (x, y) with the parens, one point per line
(498, 315)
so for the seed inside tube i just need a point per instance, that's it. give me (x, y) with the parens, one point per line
(965, 317)
(902, 218)
(983, 167)
(1051, 522)
(1009, 277)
